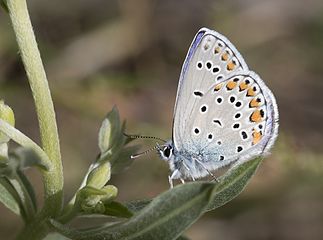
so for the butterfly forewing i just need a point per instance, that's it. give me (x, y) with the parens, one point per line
(211, 58)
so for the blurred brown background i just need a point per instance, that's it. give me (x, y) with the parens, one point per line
(129, 53)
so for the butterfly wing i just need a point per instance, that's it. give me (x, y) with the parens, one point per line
(237, 119)
(210, 58)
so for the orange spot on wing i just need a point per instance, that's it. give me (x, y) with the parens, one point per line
(243, 86)
(256, 116)
(218, 87)
(251, 92)
(225, 56)
(254, 102)
(230, 66)
(256, 137)
(231, 85)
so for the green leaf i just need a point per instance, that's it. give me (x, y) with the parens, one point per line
(21, 195)
(55, 236)
(22, 158)
(28, 206)
(172, 212)
(110, 131)
(27, 157)
(164, 218)
(29, 189)
(137, 205)
(232, 183)
(8, 196)
(183, 238)
(117, 209)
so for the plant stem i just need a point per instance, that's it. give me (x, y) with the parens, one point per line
(18, 137)
(53, 179)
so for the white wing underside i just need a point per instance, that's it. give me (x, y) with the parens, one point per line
(213, 61)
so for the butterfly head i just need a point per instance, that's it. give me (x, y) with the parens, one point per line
(166, 151)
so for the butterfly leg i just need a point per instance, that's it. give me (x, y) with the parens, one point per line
(209, 172)
(170, 180)
(171, 177)
(188, 170)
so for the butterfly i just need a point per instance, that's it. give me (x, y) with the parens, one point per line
(224, 113)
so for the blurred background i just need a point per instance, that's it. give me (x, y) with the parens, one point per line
(104, 52)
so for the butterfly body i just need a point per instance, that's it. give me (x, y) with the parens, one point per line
(224, 113)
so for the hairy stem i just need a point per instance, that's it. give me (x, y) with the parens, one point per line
(18, 137)
(53, 179)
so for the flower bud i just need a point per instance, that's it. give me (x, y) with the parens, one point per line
(110, 131)
(99, 176)
(111, 193)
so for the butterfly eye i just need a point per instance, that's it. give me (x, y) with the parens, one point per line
(167, 151)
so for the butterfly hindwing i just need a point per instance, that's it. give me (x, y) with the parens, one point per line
(235, 119)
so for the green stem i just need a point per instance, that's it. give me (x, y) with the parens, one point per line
(53, 179)
(17, 136)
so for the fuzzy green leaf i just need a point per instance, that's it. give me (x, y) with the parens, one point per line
(8, 196)
(137, 205)
(28, 207)
(22, 158)
(183, 238)
(232, 183)
(117, 209)
(110, 131)
(29, 189)
(169, 214)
